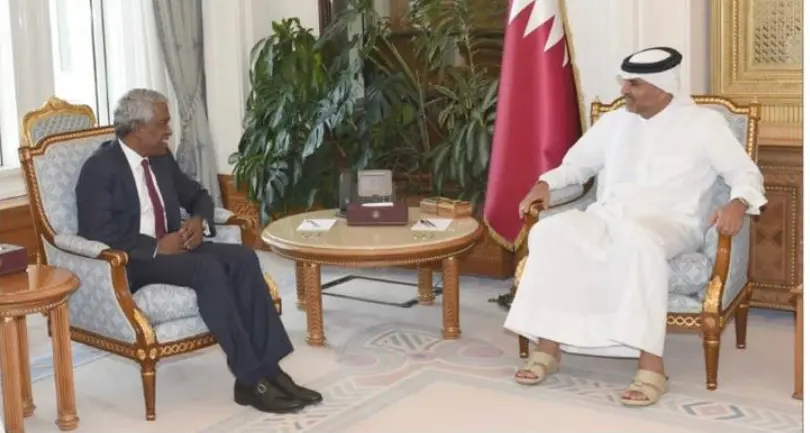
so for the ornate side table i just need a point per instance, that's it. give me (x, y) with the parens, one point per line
(42, 289)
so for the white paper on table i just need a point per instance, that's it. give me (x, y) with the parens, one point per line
(316, 225)
(432, 224)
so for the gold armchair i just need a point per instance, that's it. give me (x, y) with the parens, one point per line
(721, 289)
(156, 322)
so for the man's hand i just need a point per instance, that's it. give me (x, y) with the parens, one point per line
(171, 243)
(729, 219)
(193, 230)
(538, 194)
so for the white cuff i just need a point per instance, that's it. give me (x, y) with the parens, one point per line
(754, 198)
(548, 177)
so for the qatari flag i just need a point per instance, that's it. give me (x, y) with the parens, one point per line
(537, 118)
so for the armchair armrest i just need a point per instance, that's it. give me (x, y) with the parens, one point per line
(226, 221)
(103, 303)
(78, 245)
(75, 244)
(566, 194)
(222, 215)
(560, 199)
(730, 272)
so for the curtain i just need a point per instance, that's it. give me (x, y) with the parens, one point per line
(179, 30)
(134, 57)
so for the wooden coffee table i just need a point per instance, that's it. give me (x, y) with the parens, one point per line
(42, 289)
(348, 246)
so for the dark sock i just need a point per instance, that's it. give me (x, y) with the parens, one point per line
(253, 378)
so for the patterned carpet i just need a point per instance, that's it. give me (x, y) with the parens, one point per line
(386, 369)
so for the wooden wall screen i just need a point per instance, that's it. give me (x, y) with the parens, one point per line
(757, 55)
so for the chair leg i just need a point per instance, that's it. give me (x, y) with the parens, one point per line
(741, 321)
(711, 353)
(149, 380)
(523, 342)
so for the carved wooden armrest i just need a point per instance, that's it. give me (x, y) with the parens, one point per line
(116, 258)
(712, 303)
(243, 223)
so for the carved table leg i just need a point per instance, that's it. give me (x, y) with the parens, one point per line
(10, 372)
(314, 305)
(426, 295)
(63, 368)
(451, 329)
(25, 368)
(299, 286)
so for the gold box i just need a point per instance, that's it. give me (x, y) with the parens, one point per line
(445, 207)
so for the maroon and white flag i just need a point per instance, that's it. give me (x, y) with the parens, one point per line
(537, 118)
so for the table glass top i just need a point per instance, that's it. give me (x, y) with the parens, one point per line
(341, 235)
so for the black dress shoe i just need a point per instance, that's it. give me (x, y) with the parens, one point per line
(266, 398)
(288, 387)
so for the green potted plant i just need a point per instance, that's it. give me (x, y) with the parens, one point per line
(352, 100)
(306, 121)
(454, 39)
(296, 103)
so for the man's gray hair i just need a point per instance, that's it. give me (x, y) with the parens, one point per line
(136, 107)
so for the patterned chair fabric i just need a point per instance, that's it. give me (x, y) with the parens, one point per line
(171, 310)
(690, 272)
(56, 116)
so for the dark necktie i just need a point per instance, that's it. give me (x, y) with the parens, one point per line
(157, 207)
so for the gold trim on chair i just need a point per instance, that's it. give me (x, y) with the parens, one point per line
(52, 107)
(752, 111)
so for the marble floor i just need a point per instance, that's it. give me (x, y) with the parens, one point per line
(386, 369)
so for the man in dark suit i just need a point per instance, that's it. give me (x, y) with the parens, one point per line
(129, 196)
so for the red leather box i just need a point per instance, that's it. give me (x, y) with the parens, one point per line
(13, 259)
(394, 215)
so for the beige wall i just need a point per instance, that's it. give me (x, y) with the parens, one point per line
(231, 28)
(603, 32)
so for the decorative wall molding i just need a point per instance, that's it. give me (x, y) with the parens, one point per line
(758, 55)
(776, 242)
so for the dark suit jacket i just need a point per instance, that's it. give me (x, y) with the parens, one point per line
(109, 210)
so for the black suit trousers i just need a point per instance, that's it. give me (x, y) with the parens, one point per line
(233, 299)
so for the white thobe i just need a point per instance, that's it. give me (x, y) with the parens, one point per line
(596, 280)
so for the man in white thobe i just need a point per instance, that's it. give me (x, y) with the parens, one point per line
(595, 281)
